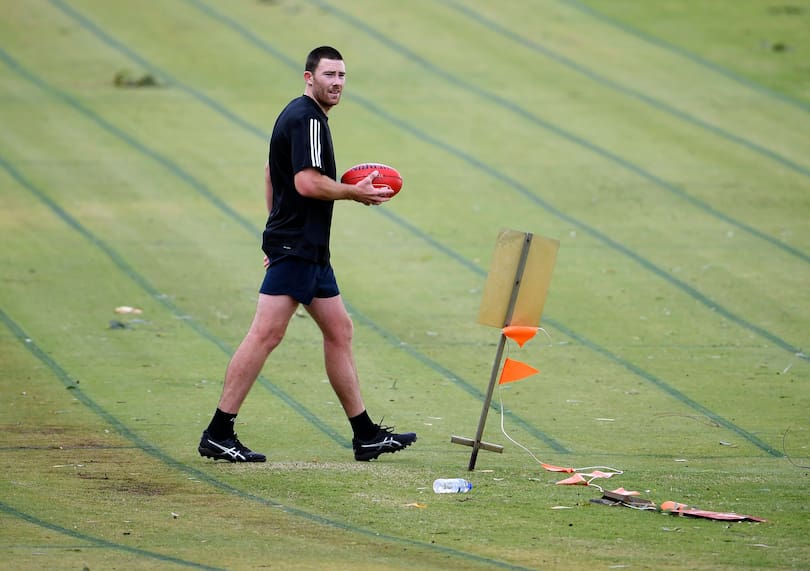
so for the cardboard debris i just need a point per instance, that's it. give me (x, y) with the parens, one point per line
(622, 497)
(626, 499)
(678, 509)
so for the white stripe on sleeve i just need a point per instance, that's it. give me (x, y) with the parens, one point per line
(315, 142)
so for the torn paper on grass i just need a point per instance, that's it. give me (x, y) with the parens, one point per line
(679, 509)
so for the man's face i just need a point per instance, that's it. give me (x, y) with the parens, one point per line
(326, 83)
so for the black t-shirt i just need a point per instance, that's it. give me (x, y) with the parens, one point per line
(297, 225)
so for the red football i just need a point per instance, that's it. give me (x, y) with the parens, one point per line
(389, 176)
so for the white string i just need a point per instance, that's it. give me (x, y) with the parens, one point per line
(597, 486)
(611, 470)
(550, 340)
(512, 440)
(614, 471)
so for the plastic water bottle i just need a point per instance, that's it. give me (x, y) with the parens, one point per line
(452, 486)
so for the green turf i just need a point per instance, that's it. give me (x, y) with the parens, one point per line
(665, 144)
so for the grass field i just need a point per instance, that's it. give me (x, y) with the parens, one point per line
(665, 144)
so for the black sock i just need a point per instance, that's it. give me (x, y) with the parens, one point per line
(221, 426)
(362, 426)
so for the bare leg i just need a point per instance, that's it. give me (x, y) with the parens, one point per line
(273, 313)
(336, 325)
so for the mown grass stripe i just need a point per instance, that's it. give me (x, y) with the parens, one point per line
(605, 81)
(672, 391)
(684, 53)
(561, 132)
(112, 42)
(99, 542)
(590, 344)
(692, 292)
(89, 25)
(205, 477)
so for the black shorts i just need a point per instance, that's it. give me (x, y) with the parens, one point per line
(300, 279)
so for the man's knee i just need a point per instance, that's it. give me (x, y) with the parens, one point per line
(268, 338)
(339, 330)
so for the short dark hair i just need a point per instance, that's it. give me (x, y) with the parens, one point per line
(316, 55)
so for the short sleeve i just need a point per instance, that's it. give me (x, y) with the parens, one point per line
(307, 144)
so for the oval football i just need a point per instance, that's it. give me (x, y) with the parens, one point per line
(389, 176)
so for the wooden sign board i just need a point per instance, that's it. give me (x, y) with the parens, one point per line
(534, 282)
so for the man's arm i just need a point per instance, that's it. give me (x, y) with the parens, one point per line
(314, 184)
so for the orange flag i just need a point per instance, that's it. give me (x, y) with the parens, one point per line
(575, 480)
(520, 333)
(553, 468)
(514, 371)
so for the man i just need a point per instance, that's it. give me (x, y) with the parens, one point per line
(301, 187)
